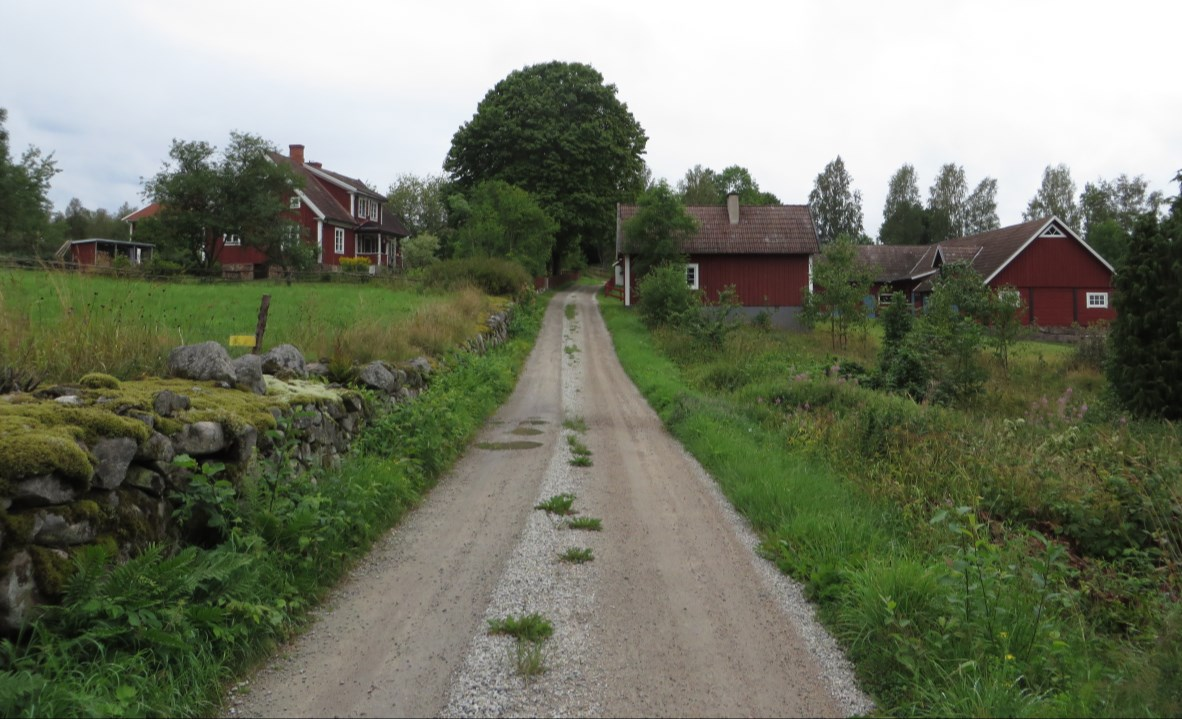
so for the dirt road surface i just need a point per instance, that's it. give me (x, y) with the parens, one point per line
(676, 616)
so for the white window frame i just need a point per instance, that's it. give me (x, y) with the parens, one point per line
(1097, 300)
(294, 202)
(231, 240)
(884, 298)
(694, 282)
(364, 249)
(338, 241)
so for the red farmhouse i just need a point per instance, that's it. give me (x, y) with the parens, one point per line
(764, 251)
(1061, 279)
(341, 216)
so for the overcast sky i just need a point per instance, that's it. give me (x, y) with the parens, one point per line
(377, 89)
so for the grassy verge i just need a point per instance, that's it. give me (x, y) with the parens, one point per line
(160, 634)
(1013, 558)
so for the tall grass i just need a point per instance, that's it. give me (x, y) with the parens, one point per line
(1017, 557)
(68, 324)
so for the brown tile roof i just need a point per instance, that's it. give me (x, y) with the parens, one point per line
(355, 184)
(762, 230)
(892, 263)
(989, 251)
(316, 193)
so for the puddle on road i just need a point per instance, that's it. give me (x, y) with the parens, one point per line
(526, 431)
(503, 446)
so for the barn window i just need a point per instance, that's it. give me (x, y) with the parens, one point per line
(231, 240)
(338, 244)
(691, 275)
(294, 202)
(1098, 300)
(884, 298)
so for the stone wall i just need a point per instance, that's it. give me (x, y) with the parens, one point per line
(94, 463)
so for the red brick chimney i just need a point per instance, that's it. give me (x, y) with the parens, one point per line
(296, 153)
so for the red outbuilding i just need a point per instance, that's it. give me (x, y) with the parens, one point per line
(765, 251)
(1062, 280)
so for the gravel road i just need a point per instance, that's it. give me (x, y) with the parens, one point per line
(676, 615)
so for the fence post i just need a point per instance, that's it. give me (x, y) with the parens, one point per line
(262, 325)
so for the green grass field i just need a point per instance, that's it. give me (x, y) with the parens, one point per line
(67, 324)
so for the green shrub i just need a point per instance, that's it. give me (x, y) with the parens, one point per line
(493, 276)
(665, 298)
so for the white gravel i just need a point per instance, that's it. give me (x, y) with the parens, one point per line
(535, 580)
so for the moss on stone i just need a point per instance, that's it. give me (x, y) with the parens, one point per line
(18, 528)
(98, 380)
(51, 570)
(30, 453)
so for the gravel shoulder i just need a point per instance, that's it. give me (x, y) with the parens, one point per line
(676, 615)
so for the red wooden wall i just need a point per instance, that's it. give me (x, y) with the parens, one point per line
(761, 280)
(1055, 275)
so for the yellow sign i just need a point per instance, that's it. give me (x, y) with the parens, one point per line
(242, 340)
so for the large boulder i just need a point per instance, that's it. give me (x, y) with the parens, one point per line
(249, 369)
(206, 361)
(113, 456)
(200, 438)
(43, 490)
(376, 375)
(285, 362)
(166, 403)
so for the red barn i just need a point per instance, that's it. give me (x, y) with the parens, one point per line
(764, 251)
(1062, 280)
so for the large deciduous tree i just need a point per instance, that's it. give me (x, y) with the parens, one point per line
(421, 202)
(1111, 210)
(504, 221)
(204, 194)
(980, 208)
(1146, 342)
(947, 197)
(24, 188)
(903, 190)
(656, 233)
(559, 132)
(1056, 196)
(836, 206)
(704, 186)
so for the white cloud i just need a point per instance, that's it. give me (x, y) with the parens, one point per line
(376, 89)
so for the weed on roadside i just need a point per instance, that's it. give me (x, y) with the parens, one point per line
(527, 628)
(558, 504)
(591, 524)
(570, 311)
(571, 349)
(582, 455)
(575, 424)
(528, 659)
(577, 555)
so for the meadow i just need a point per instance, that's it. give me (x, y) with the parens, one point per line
(1014, 556)
(64, 324)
